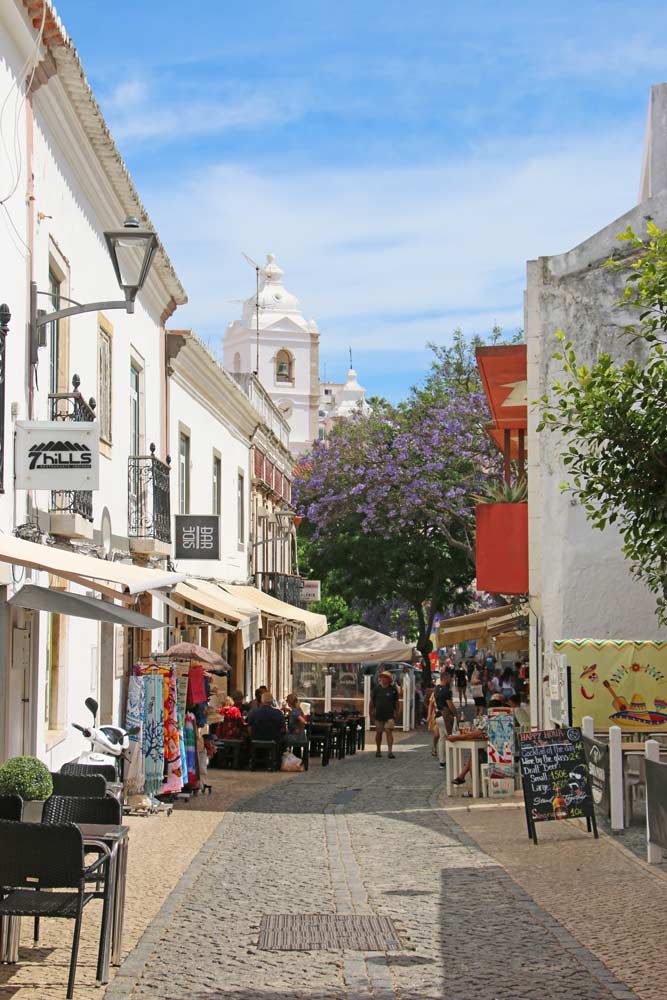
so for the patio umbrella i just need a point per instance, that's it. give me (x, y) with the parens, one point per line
(191, 651)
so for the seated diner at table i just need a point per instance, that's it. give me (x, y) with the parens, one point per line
(296, 720)
(266, 722)
(479, 732)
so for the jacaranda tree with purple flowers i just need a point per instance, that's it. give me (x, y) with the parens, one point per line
(388, 499)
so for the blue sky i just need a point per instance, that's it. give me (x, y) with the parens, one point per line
(402, 160)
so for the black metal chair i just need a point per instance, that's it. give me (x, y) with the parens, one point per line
(36, 856)
(299, 744)
(108, 771)
(88, 786)
(11, 807)
(265, 752)
(319, 741)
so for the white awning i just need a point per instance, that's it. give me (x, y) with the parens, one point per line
(354, 644)
(315, 624)
(86, 570)
(62, 602)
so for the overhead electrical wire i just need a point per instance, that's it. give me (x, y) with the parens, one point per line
(21, 94)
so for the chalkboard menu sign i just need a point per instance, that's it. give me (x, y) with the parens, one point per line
(556, 782)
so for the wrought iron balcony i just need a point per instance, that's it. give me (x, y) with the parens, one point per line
(285, 586)
(148, 511)
(72, 407)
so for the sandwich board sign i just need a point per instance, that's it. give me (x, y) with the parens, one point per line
(556, 782)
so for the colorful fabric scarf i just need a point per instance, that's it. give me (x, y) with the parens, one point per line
(190, 748)
(153, 732)
(172, 751)
(135, 775)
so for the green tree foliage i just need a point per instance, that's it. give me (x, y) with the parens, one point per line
(613, 419)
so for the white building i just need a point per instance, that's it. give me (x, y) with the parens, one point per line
(341, 401)
(580, 582)
(67, 187)
(274, 340)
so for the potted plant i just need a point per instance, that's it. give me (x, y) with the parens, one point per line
(29, 778)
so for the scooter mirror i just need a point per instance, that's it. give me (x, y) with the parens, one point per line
(134, 730)
(92, 707)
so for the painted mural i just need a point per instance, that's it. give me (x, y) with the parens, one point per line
(617, 682)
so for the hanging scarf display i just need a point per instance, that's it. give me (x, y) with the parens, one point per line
(172, 751)
(153, 734)
(135, 774)
(190, 748)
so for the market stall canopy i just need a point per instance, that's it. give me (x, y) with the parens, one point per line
(86, 570)
(315, 625)
(354, 644)
(472, 626)
(62, 602)
(191, 651)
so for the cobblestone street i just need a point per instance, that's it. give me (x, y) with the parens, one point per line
(364, 836)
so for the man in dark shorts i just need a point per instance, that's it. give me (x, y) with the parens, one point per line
(384, 705)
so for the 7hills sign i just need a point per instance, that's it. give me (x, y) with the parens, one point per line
(56, 455)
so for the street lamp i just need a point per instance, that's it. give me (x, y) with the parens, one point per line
(131, 250)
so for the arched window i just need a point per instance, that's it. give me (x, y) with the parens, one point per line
(237, 362)
(284, 366)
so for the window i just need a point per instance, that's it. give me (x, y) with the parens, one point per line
(284, 366)
(320, 434)
(135, 425)
(104, 374)
(327, 392)
(217, 486)
(240, 507)
(237, 362)
(54, 334)
(183, 474)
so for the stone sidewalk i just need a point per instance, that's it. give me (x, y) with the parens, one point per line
(371, 836)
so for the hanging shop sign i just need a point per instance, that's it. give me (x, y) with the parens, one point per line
(554, 772)
(311, 590)
(57, 455)
(197, 536)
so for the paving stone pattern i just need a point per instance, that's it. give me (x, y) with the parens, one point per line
(364, 836)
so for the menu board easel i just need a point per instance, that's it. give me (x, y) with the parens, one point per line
(555, 778)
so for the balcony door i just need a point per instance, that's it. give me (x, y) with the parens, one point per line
(136, 486)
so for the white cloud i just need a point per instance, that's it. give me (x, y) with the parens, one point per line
(388, 257)
(137, 114)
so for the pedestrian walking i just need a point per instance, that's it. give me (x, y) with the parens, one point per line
(462, 684)
(477, 692)
(384, 708)
(445, 715)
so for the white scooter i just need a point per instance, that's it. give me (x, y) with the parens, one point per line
(108, 745)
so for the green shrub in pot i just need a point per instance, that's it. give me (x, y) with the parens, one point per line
(27, 777)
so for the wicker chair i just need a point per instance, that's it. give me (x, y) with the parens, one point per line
(82, 809)
(11, 807)
(35, 856)
(88, 786)
(108, 771)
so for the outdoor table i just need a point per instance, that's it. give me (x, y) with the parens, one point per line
(116, 838)
(453, 760)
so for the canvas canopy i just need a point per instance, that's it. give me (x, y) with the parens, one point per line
(354, 644)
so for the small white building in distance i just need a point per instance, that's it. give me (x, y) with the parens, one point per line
(273, 339)
(340, 401)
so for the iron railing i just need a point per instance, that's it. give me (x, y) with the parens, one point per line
(285, 586)
(72, 407)
(148, 510)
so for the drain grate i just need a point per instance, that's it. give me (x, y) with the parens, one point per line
(327, 932)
